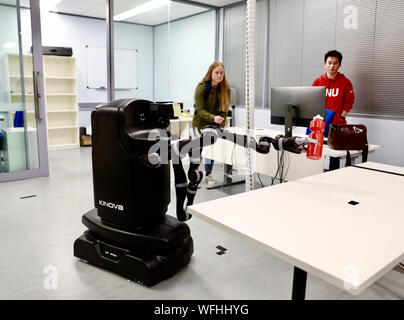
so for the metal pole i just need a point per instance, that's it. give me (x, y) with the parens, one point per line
(266, 61)
(217, 35)
(37, 63)
(110, 50)
(22, 83)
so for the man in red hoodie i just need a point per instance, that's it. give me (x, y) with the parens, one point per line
(340, 95)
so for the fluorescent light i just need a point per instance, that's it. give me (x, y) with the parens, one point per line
(148, 6)
(9, 45)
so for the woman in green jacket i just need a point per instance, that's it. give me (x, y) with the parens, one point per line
(212, 99)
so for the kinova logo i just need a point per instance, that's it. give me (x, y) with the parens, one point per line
(111, 205)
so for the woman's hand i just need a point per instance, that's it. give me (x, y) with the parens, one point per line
(218, 119)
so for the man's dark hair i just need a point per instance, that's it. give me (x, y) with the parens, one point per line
(333, 53)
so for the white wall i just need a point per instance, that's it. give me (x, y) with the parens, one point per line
(77, 32)
(190, 49)
(388, 134)
(384, 132)
(130, 36)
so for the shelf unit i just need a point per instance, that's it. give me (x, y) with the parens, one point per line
(61, 105)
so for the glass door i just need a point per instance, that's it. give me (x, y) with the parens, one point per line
(23, 139)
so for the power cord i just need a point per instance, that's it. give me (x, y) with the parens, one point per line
(276, 173)
(282, 164)
(287, 156)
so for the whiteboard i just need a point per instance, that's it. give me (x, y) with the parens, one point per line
(125, 68)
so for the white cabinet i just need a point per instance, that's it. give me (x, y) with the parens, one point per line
(60, 80)
(15, 153)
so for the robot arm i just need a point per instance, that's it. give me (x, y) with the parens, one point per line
(292, 144)
(186, 190)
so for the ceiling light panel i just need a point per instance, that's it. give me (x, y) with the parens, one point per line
(89, 8)
(217, 3)
(177, 11)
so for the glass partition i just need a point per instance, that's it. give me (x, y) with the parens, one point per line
(162, 49)
(133, 46)
(18, 85)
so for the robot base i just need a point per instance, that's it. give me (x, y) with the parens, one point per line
(145, 266)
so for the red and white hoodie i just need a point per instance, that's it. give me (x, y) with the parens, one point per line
(340, 95)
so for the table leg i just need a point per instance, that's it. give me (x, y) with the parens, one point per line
(299, 284)
(227, 178)
(334, 163)
(227, 170)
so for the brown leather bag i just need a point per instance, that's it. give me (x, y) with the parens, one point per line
(348, 137)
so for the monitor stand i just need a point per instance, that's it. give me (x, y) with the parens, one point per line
(288, 119)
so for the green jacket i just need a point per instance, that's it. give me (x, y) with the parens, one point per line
(204, 109)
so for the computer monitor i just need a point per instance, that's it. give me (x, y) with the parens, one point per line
(296, 106)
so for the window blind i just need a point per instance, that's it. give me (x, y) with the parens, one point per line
(369, 34)
(388, 68)
(234, 43)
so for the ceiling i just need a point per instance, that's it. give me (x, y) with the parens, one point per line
(217, 3)
(97, 8)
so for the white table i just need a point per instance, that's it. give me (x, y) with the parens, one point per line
(299, 165)
(310, 224)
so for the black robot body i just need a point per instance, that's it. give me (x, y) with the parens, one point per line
(131, 199)
(126, 193)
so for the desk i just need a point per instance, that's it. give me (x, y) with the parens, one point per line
(299, 165)
(349, 246)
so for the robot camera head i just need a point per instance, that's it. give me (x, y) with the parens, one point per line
(162, 113)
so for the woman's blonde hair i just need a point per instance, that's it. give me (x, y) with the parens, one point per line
(224, 86)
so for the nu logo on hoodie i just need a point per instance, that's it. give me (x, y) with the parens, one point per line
(332, 92)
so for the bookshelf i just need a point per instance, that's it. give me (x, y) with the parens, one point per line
(61, 105)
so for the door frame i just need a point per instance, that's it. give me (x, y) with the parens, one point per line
(40, 114)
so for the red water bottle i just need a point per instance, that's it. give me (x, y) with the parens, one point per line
(315, 148)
